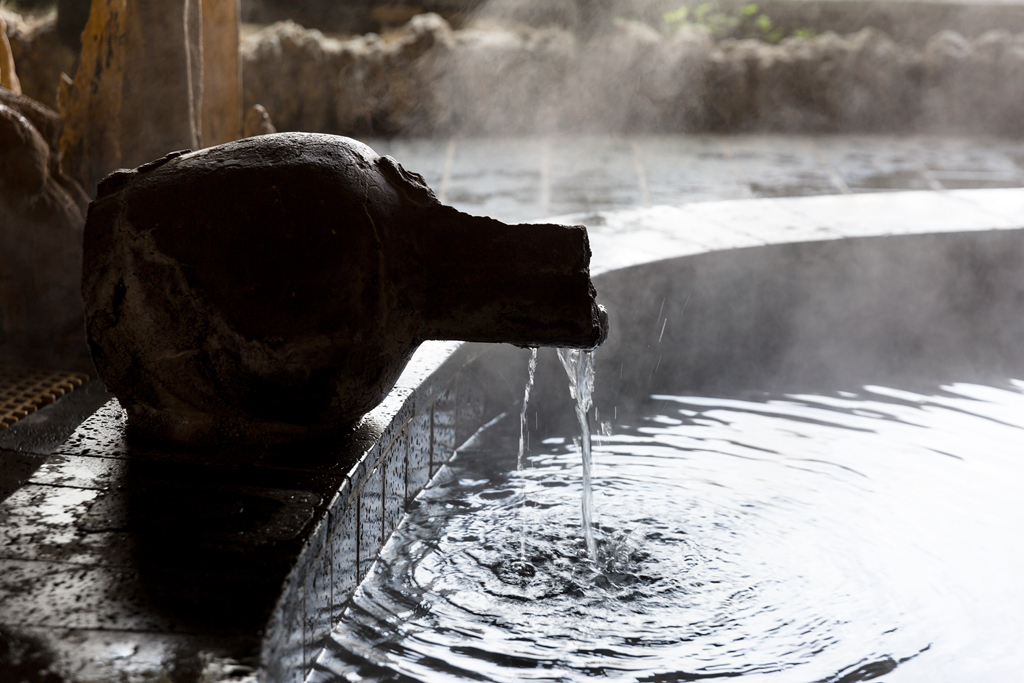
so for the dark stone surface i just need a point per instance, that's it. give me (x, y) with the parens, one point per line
(275, 287)
(41, 432)
(24, 446)
(15, 469)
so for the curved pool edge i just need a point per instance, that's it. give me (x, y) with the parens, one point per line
(620, 239)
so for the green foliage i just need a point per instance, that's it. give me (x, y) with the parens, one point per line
(746, 21)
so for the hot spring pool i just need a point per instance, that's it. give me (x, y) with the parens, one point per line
(813, 472)
(798, 537)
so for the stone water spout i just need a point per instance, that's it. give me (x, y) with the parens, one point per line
(275, 287)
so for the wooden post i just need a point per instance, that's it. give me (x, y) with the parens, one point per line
(139, 89)
(222, 73)
(91, 104)
(162, 94)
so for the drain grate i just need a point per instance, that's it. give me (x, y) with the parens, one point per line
(23, 392)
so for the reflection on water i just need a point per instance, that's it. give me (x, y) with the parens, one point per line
(796, 538)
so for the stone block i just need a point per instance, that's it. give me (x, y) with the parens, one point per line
(81, 471)
(42, 524)
(15, 469)
(357, 262)
(73, 596)
(101, 655)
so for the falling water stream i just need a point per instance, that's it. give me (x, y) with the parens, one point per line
(785, 538)
(531, 373)
(579, 366)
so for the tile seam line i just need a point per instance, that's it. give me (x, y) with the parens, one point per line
(150, 460)
(30, 482)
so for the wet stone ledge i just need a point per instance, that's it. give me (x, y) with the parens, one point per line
(125, 560)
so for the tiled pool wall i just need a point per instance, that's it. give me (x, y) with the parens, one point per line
(423, 435)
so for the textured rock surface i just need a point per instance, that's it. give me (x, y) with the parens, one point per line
(627, 77)
(358, 85)
(275, 287)
(257, 122)
(8, 74)
(41, 217)
(39, 54)
(506, 78)
(91, 105)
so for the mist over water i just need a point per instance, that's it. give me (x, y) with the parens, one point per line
(784, 538)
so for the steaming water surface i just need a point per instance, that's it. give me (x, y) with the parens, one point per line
(801, 538)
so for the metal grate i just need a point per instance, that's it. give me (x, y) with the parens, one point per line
(23, 392)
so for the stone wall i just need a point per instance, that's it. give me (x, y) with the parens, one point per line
(430, 79)
(912, 21)
(352, 16)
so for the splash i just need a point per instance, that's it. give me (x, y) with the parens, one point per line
(579, 366)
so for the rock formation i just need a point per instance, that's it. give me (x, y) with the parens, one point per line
(42, 212)
(39, 53)
(8, 75)
(257, 122)
(630, 78)
(510, 78)
(365, 84)
(274, 287)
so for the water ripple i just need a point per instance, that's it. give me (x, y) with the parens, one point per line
(790, 539)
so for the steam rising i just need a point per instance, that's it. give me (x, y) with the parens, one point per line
(528, 67)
